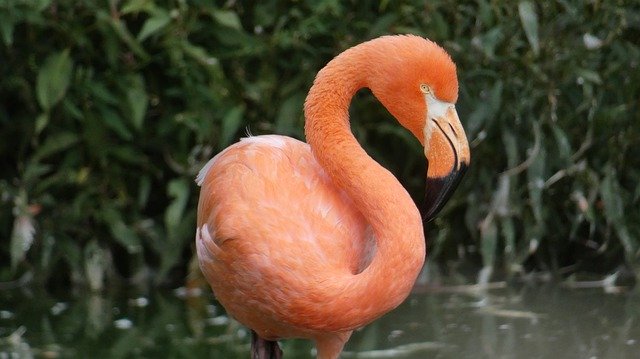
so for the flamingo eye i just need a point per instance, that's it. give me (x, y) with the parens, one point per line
(425, 89)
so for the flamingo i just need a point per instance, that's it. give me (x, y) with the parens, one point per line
(313, 240)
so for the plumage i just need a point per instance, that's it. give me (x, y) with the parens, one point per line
(315, 240)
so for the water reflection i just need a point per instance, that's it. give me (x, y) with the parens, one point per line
(542, 322)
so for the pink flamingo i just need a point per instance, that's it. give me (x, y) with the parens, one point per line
(315, 240)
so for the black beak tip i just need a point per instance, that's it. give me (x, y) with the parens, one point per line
(439, 190)
(434, 198)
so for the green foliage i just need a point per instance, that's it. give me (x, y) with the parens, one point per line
(551, 103)
(110, 108)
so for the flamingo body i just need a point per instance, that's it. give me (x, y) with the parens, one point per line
(303, 230)
(315, 240)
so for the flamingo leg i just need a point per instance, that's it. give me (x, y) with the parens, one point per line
(264, 349)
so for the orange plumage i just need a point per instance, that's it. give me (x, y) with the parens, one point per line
(315, 240)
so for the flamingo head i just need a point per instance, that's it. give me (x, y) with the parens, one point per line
(416, 81)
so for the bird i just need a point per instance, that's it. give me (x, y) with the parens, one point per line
(314, 240)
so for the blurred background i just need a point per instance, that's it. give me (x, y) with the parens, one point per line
(109, 109)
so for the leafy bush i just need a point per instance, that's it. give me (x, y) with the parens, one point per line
(110, 108)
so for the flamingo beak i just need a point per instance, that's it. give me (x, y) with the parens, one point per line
(448, 157)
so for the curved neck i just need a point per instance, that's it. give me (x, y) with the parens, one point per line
(386, 205)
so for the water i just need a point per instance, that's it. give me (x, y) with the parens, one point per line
(541, 322)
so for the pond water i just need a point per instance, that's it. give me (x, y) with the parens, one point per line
(457, 322)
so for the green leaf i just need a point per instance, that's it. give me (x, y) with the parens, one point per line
(200, 54)
(7, 25)
(126, 237)
(120, 28)
(589, 76)
(130, 155)
(614, 211)
(178, 190)
(227, 18)
(138, 100)
(154, 24)
(485, 13)
(122, 233)
(136, 6)
(116, 123)
(610, 192)
(53, 79)
(529, 19)
(144, 189)
(102, 93)
(70, 251)
(73, 111)
(564, 147)
(54, 144)
(510, 144)
(41, 122)
(34, 173)
(230, 125)
(48, 245)
(489, 41)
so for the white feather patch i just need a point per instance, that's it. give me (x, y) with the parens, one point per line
(205, 170)
(435, 109)
(268, 140)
